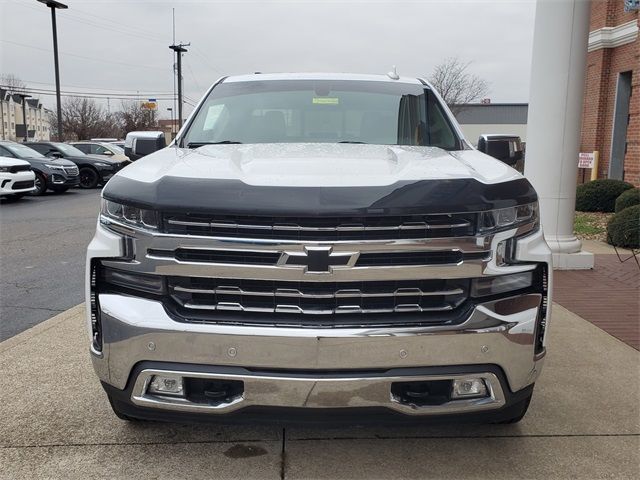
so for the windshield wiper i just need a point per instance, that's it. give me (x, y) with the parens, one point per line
(201, 144)
(351, 141)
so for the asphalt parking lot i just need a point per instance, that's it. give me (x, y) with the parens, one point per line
(42, 249)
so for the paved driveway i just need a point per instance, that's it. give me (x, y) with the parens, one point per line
(43, 242)
(584, 422)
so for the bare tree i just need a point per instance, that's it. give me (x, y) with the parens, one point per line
(12, 83)
(133, 117)
(456, 85)
(84, 118)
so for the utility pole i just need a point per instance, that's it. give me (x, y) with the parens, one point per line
(52, 4)
(179, 49)
(24, 97)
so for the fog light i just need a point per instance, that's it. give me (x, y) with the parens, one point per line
(468, 388)
(166, 385)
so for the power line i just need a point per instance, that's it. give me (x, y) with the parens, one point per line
(94, 59)
(117, 90)
(75, 18)
(96, 94)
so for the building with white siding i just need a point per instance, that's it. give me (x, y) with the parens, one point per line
(12, 124)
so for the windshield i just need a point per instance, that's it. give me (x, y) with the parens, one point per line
(115, 148)
(326, 111)
(22, 151)
(69, 150)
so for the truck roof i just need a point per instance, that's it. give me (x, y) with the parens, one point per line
(319, 76)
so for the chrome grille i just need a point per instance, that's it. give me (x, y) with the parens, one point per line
(304, 300)
(71, 171)
(323, 228)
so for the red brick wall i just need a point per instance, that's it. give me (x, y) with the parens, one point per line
(603, 67)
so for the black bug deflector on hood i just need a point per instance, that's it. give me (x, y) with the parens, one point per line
(193, 195)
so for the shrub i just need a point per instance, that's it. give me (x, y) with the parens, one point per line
(623, 229)
(599, 195)
(628, 198)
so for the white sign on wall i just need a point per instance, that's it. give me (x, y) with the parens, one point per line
(586, 160)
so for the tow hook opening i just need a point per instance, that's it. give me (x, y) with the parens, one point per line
(420, 394)
(213, 392)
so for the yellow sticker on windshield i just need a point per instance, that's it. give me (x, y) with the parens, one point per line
(326, 101)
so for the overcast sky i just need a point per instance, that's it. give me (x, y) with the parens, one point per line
(121, 47)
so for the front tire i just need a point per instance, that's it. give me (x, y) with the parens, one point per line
(89, 178)
(41, 185)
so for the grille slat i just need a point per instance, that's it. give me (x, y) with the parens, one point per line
(307, 299)
(323, 228)
(71, 171)
(22, 184)
(365, 259)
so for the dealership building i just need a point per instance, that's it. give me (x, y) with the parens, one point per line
(611, 111)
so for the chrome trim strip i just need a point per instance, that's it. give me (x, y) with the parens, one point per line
(339, 228)
(316, 392)
(350, 293)
(238, 307)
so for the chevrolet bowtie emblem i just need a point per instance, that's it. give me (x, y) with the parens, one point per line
(318, 259)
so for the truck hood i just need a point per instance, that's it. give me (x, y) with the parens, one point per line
(318, 179)
(319, 164)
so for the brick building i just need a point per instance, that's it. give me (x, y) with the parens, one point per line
(611, 115)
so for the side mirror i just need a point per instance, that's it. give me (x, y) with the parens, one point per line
(108, 153)
(139, 144)
(54, 154)
(506, 148)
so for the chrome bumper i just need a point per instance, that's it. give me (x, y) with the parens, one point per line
(500, 333)
(316, 392)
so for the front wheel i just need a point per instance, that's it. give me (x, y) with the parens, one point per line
(40, 184)
(88, 178)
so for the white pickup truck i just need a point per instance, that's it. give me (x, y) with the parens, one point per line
(318, 245)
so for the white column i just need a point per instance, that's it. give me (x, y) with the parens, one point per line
(558, 72)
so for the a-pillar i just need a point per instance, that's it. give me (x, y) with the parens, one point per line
(553, 126)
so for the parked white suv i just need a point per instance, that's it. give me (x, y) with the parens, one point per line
(16, 177)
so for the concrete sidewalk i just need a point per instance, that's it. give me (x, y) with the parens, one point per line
(55, 422)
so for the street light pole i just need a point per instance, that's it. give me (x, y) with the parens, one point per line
(171, 113)
(53, 5)
(179, 49)
(24, 97)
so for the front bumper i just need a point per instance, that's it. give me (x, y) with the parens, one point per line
(317, 369)
(57, 180)
(19, 182)
(137, 330)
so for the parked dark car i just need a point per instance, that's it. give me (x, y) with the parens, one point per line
(54, 174)
(94, 171)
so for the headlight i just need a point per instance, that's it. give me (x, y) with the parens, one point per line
(128, 215)
(100, 164)
(54, 167)
(5, 169)
(486, 286)
(511, 217)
